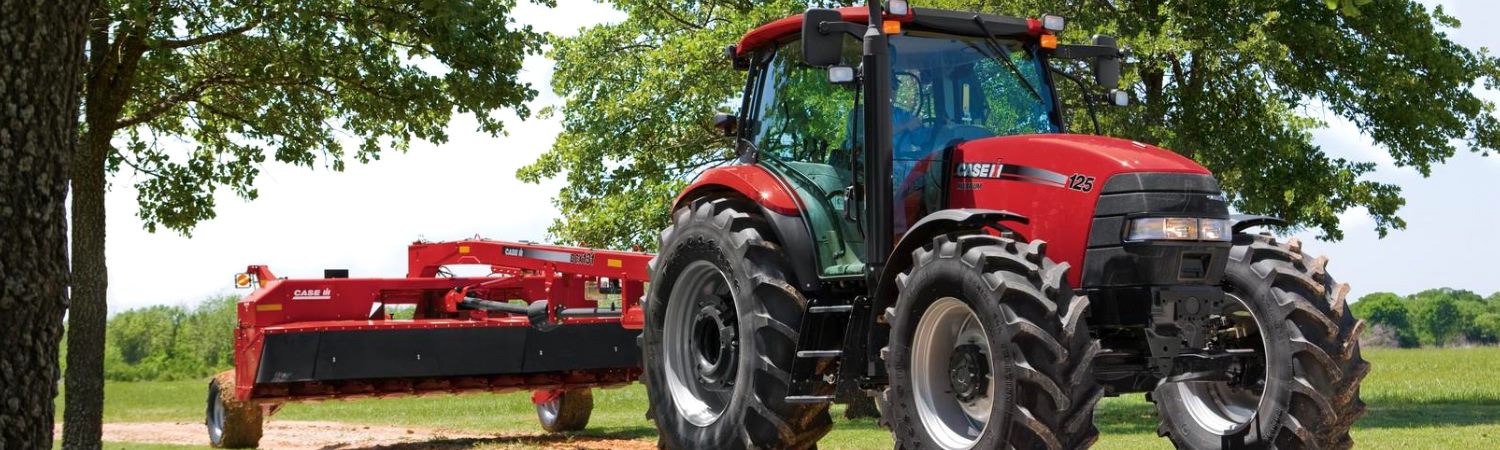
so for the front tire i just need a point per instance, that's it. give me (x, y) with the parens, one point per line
(721, 333)
(1308, 396)
(231, 423)
(989, 349)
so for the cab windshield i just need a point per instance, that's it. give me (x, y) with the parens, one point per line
(950, 89)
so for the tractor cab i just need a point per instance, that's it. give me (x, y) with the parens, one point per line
(952, 78)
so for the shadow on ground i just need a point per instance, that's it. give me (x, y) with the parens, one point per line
(1387, 412)
(1112, 418)
(1382, 412)
(602, 438)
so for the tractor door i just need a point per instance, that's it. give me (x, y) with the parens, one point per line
(807, 130)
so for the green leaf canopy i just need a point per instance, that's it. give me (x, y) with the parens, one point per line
(1236, 85)
(241, 80)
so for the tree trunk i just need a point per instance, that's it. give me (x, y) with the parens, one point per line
(41, 57)
(84, 405)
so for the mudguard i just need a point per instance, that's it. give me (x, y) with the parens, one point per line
(1242, 222)
(777, 204)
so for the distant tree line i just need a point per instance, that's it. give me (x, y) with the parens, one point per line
(1435, 317)
(158, 343)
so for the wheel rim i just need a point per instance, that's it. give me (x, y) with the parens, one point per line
(1226, 408)
(952, 376)
(215, 417)
(548, 410)
(701, 343)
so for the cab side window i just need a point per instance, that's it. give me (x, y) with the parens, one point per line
(801, 116)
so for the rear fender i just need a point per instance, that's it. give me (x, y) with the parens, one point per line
(749, 181)
(776, 203)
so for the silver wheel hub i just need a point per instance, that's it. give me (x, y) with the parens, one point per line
(550, 409)
(700, 343)
(216, 419)
(952, 376)
(1228, 407)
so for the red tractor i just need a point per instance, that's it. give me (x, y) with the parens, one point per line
(910, 219)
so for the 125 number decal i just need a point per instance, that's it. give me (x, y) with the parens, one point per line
(1080, 182)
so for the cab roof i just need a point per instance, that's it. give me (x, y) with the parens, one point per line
(955, 22)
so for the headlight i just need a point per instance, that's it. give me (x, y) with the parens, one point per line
(1213, 229)
(1177, 229)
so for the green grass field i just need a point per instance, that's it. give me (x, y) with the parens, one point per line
(1418, 399)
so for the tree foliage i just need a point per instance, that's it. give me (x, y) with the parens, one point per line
(1441, 319)
(1437, 317)
(171, 342)
(244, 82)
(1237, 85)
(639, 95)
(1386, 309)
(195, 96)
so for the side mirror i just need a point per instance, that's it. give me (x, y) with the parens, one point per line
(822, 46)
(1107, 68)
(1118, 97)
(726, 123)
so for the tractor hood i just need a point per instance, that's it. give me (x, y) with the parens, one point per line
(1068, 184)
(1076, 154)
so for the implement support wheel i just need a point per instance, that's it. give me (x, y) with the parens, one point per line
(231, 423)
(560, 411)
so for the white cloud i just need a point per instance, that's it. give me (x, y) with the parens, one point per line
(1343, 139)
(1356, 219)
(568, 18)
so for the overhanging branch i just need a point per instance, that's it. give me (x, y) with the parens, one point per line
(166, 104)
(207, 38)
(193, 93)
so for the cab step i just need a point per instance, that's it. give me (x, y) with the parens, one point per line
(806, 399)
(820, 354)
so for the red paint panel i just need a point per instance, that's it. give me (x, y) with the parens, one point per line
(775, 31)
(1059, 215)
(751, 181)
(530, 272)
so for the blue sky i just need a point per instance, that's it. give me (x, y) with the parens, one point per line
(307, 220)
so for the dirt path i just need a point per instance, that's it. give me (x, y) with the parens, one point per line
(299, 435)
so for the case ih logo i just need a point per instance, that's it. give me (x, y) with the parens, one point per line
(312, 294)
(977, 170)
(1024, 174)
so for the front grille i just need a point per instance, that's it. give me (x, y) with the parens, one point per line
(1109, 261)
(1120, 277)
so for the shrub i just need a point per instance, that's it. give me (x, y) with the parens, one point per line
(170, 342)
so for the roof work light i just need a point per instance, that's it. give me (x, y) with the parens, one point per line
(1054, 23)
(898, 8)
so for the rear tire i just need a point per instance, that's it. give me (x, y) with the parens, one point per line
(1310, 396)
(721, 333)
(989, 349)
(568, 411)
(231, 423)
